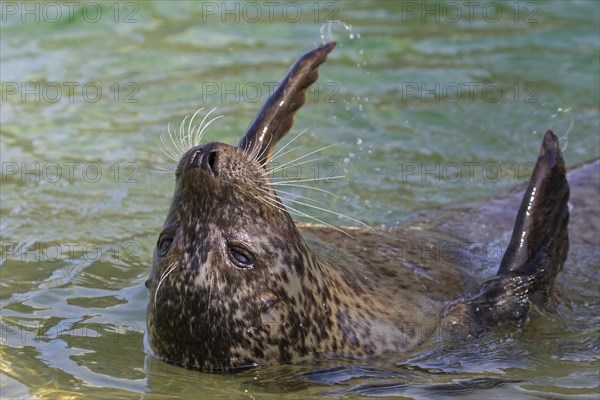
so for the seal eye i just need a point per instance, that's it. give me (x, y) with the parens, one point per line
(164, 244)
(240, 257)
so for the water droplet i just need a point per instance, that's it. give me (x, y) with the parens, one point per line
(326, 35)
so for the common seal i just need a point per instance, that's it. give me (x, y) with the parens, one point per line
(236, 283)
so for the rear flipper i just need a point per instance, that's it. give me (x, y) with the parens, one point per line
(537, 250)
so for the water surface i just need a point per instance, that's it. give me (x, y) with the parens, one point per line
(82, 201)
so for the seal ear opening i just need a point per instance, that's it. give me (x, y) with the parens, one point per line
(277, 115)
(538, 246)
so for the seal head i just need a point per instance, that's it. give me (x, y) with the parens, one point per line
(229, 253)
(218, 269)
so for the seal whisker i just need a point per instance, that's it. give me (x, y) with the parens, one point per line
(177, 141)
(270, 196)
(313, 206)
(284, 166)
(182, 137)
(170, 269)
(252, 150)
(202, 127)
(266, 149)
(167, 164)
(167, 179)
(308, 187)
(166, 149)
(277, 153)
(293, 194)
(304, 180)
(165, 168)
(331, 212)
(290, 150)
(273, 201)
(201, 132)
(171, 150)
(295, 211)
(306, 155)
(175, 148)
(171, 153)
(190, 130)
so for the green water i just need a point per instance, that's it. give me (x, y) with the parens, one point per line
(86, 95)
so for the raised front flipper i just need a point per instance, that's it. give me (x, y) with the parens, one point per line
(538, 247)
(277, 115)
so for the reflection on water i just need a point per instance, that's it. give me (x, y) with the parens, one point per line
(85, 98)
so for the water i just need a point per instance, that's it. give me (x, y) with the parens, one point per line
(405, 89)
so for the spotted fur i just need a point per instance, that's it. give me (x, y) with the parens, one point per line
(236, 283)
(295, 301)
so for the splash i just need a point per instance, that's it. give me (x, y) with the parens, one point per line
(561, 118)
(327, 36)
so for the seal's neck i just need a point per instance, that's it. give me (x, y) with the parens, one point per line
(320, 315)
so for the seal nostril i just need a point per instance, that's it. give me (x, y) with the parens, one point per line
(212, 157)
(196, 157)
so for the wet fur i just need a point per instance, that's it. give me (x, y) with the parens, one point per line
(316, 291)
